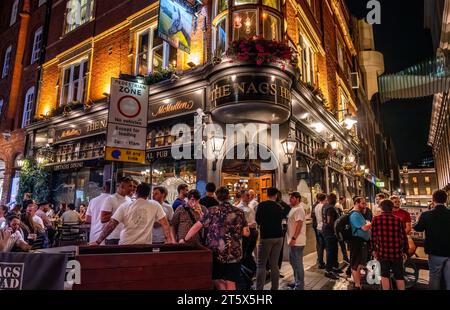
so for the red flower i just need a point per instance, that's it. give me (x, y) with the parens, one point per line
(259, 47)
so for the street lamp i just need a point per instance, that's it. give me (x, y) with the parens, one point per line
(350, 121)
(288, 145)
(351, 158)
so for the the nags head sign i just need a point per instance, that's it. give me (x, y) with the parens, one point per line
(11, 276)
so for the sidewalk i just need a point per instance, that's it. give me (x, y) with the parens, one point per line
(315, 278)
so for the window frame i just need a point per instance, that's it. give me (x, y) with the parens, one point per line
(307, 50)
(14, 13)
(341, 55)
(28, 107)
(37, 46)
(7, 62)
(217, 20)
(81, 91)
(150, 53)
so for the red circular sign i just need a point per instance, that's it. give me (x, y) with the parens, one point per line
(129, 106)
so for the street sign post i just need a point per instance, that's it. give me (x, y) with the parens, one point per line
(127, 122)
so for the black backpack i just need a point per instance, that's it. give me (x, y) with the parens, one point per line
(343, 228)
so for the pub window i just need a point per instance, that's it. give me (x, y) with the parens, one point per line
(427, 179)
(153, 54)
(7, 62)
(271, 25)
(414, 179)
(244, 24)
(14, 11)
(37, 42)
(74, 82)
(416, 191)
(243, 2)
(307, 60)
(222, 5)
(79, 12)
(220, 36)
(27, 107)
(272, 3)
(428, 190)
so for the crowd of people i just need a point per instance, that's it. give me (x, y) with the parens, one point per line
(248, 233)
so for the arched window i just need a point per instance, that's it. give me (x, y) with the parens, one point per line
(14, 10)
(28, 106)
(37, 43)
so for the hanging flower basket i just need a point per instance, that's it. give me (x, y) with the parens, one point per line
(348, 167)
(262, 52)
(324, 153)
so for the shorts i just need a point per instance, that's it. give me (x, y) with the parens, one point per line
(395, 266)
(359, 252)
(229, 272)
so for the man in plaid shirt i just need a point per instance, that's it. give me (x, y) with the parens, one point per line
(389, 244)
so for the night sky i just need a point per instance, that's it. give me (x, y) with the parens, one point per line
(404, 41)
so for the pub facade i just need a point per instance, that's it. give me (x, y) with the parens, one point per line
(299, 112)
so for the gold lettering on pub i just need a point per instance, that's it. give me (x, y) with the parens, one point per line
(172, 107)
(246, 88)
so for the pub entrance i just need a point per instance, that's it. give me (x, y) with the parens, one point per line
(240, 174)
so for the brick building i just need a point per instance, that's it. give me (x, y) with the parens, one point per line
(119, 38)
(21, 46)
(418, 185)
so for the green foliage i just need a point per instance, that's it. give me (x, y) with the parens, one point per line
(34, 180)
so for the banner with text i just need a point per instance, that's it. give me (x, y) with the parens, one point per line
(127, 122)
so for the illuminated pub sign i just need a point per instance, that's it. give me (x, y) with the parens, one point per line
(177, 105)
(260, 88)
(81, 129)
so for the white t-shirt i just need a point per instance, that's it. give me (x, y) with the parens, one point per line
(2, 220)
(111, 205)
(94, 211)
(318, 212)
(249, 212)
(158, 233)
(13, 240)
(296, 214)
(38, 221)
(138, 218)
(253, 204)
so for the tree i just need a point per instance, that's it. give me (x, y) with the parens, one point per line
(34, 180)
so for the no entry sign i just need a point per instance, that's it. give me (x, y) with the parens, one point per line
(127, 121)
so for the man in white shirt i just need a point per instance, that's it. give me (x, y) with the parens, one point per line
(138, 218)
(159, 195)
(13, 237)
(93, 212)
(296, 237)
(376, 210)
(112, 203)
(321, 198)
(253, 201)
(3, 212)
(248, 243)
(31, 210)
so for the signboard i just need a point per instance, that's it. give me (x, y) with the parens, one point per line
(259, 88)
(177, 105)
(175, 23)
(127, 122)
(79, 130)
(120, 154)
(380, 184)
(25, 271)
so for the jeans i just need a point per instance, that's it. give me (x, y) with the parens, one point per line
(296, 260)
(268, 249)
(249, 243)
(320, 247)
(331, 244)
(439, 267)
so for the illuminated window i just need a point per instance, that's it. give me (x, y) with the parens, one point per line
(153, 54)
(244, 24)
(220, 36)
(416, 191)
(307, 60)
(79, 12)
(242, 2)
(340, 52)
(272, 3)
(271, 25)
(427, 179)
(428, 190)
(343, 107)
(74, 82)
(222, 5)
(414, 179)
